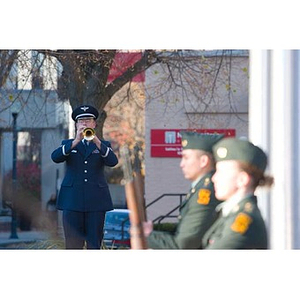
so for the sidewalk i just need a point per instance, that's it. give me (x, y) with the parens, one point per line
(23, 237)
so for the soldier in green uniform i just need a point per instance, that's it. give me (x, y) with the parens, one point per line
(240, 168)
(197, 212)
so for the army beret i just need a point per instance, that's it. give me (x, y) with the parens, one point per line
(200, 141)
(241, 150)
(85, 111)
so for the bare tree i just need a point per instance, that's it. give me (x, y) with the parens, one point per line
(200, 83)
(7, 59)
(85, 73)
(194, 79)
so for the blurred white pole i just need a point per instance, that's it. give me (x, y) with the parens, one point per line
(259, 115)
(274, 125)
(278, 156)
(291, 112)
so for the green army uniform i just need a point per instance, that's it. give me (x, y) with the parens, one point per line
(242, 228)
(197, 212)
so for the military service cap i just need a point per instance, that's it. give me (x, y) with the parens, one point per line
(242, 150)
(200, 141)
(85, 111)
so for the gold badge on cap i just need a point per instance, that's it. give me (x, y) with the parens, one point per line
(184, 143)
(222, 152)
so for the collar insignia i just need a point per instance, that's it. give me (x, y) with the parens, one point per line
(206, 181)
(248, 207)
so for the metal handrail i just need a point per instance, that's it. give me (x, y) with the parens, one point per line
(163, 195)
(160, 218)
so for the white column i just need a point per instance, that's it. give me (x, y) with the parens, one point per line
(278, 155)
(274, 125)
(291, 138)
(259, 115)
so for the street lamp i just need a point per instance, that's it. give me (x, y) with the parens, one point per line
(13, 229)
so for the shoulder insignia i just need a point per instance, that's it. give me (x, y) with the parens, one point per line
(241, 223)
(203, 196)
(206, 181)
(248, 207)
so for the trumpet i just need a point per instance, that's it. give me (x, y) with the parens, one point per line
(88, 133)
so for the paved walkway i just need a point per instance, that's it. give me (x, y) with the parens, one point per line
(30, 237)
(23, 237)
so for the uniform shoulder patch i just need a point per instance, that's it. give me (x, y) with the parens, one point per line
(204, 196)
(241, 223)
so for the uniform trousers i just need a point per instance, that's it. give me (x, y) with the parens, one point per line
(83, 226)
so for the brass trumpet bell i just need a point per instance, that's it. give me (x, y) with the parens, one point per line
(88, 133)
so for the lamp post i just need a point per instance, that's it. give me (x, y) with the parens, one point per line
(13, 232)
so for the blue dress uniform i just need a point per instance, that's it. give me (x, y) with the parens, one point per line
(84, 195)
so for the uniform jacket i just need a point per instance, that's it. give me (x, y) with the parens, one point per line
(84, 187)
(197, 214)
(242, 228)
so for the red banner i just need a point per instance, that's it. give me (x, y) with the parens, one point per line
(167, 142)
(122, 62)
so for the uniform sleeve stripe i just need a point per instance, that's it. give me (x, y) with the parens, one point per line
(107, 151)
(63, 150)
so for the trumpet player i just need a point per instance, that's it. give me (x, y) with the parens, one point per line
(84, 196)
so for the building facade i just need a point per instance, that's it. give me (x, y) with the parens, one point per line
(208, 91)
(29, 105)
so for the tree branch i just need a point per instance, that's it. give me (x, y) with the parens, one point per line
(149, 58)
(7, 59)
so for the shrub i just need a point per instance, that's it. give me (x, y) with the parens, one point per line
(170, 227)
